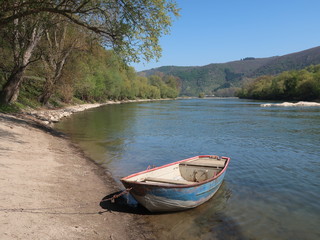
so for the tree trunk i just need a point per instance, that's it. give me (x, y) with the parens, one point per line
(10, 91)
(44, 98)
(47, 92)
(54, 64)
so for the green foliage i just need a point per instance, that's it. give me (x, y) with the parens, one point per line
(51, 29)
(201, 95)
(10, 108)
(99, 75)
(29, 92)
(291, 85)
(132, 27)
(231, 76)
(167, 85)
(92, 74)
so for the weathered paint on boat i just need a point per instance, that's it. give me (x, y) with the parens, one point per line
(170, 197)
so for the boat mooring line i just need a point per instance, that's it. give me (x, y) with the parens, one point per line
(32, 210)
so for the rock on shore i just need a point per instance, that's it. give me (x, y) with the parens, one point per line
(51, 116)
(289, 104)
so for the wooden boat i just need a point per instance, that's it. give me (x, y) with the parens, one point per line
(178, 186)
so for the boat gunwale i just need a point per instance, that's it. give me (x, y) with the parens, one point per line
(125, 179)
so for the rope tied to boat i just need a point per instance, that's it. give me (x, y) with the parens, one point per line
(45, 210)
(114, 197)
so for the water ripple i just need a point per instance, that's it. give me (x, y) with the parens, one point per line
(271, 189)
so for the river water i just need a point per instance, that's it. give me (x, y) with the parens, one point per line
(271, 189)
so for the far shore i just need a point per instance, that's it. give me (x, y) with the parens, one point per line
(51, 190)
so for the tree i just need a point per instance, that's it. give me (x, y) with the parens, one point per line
(55, 49)
(22, 36)
(290, 84)
(167, 84)
(131, 27)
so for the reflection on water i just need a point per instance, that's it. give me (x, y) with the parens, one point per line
(193, 224)
(271, 188)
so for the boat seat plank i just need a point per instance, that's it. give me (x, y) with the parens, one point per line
(205, 163)
(164, 180)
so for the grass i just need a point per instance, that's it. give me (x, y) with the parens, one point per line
(10, 108)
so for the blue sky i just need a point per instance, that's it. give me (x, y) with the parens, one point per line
(217, 31)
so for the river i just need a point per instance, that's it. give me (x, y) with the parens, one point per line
(271, 189)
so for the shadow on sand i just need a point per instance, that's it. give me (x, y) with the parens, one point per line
(124, 203)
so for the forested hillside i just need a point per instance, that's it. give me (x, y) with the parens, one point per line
(55, 51)
(224, 79)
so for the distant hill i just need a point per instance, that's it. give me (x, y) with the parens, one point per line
(223, 78)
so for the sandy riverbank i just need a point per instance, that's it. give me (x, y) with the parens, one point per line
(49, 190)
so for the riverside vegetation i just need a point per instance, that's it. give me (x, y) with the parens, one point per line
(289, 85)
(68, 51)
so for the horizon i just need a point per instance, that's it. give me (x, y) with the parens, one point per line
(212, 33)
(228, 61)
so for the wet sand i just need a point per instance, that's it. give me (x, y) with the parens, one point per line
(50, 190)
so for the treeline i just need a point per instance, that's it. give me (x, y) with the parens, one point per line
(90, 73)
(289, 85)
(101, 75)
(56, 50)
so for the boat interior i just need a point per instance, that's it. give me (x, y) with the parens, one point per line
(195, 170)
